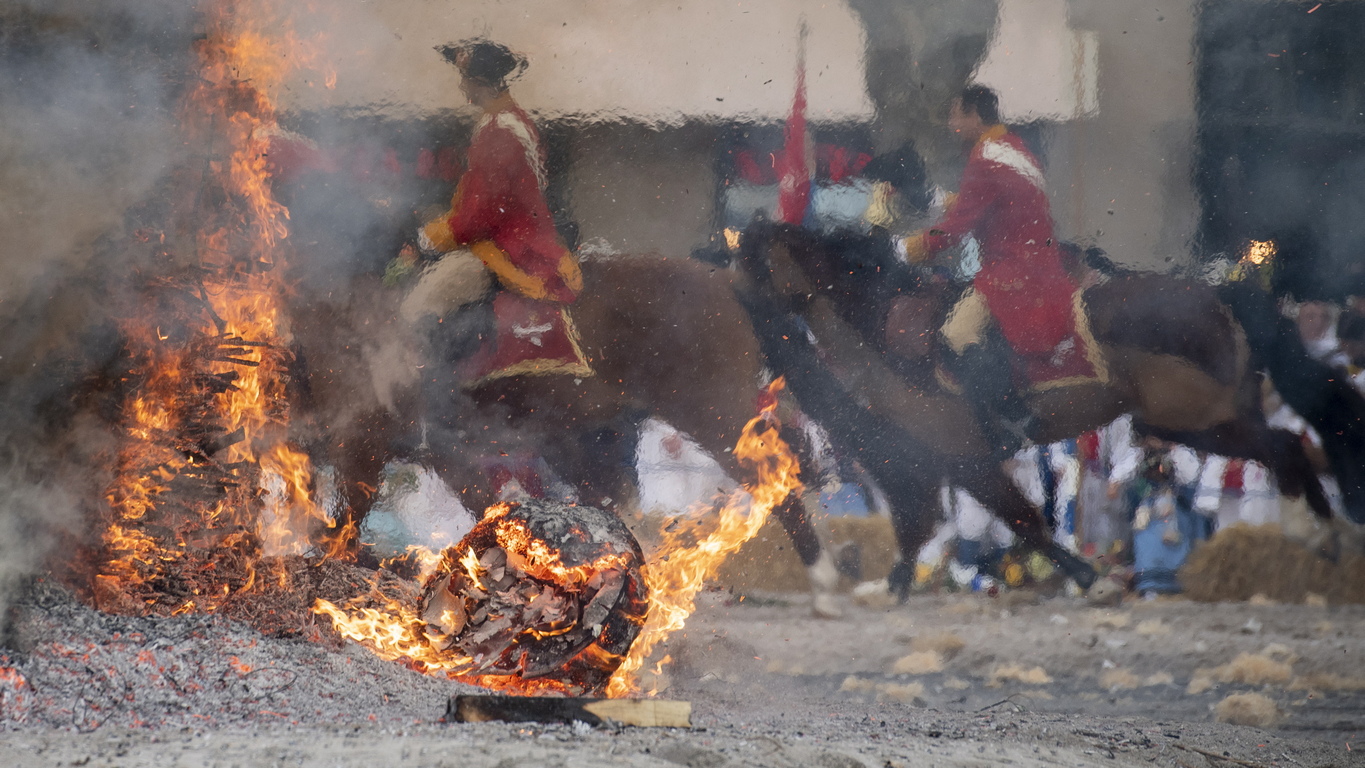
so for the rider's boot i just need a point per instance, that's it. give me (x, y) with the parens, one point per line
(984, 372)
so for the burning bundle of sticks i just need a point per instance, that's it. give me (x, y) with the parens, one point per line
(539, 589)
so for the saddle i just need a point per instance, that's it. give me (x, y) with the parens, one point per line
(1077, 359)
(530, 338)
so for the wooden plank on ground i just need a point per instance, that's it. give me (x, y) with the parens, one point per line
(656, 713)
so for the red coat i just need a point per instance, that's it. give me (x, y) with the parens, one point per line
(501, 199)
(1003, 204)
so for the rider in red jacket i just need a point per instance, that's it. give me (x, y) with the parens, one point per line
(1022, 289)
(499, 215)
(498, 209)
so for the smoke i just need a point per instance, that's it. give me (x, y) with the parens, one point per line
(31, 514)
(919, 56)
(87, 131)
(90, 145)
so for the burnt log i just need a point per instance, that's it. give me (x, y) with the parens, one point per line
(540, 591)
(660, 713)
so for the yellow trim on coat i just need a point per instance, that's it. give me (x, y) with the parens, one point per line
(1093, 354)
(508, 274)
(440, 235)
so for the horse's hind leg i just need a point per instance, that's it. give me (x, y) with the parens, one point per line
(359, 456)
(716, 430)
(913, 521)
(818, 560)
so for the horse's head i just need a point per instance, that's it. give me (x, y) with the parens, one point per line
(852, 269)
(867, 285)
(771, 267)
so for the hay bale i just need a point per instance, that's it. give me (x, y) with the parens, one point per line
(906, 693)
(1153, 627)
(1247, 709)
(1327, 681)
(855, 684)
(767, 563)
(1004, 673)
(918, 663)
(1272, 666)
(945, 644)
(1119, 679)
(1159, 678)
(1242, 561)
(1254, 669)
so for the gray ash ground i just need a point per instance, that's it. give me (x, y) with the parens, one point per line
(769, 687)
(84, 670)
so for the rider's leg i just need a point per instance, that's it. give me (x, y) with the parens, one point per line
(981, 364)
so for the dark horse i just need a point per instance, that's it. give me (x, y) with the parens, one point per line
(1182, 357)
(665, 337)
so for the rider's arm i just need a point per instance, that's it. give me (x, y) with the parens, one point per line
(966, 213)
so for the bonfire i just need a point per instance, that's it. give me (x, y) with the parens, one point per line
(213, 510)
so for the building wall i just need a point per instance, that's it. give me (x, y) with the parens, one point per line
(639, 189)
(1122, 178)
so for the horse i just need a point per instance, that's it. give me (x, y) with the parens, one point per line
(665, 337)
(1179, 357)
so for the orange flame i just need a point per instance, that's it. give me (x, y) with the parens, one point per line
(230, 371)
(675, 575)
(396, 632)
(677, 572)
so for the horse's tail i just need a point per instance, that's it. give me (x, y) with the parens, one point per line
(1321, 395)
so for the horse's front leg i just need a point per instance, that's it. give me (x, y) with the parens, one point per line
(997, 493)
(359, 454)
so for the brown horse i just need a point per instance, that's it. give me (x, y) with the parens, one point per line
(665, 337)
(1176, 358)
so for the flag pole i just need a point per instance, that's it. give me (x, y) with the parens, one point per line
(794, 179)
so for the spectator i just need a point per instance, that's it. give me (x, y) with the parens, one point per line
(1317, 328)
(982, 538)
(1234, 491)
(1050, 476)
(1351, 336)
(1165, 525)
(1109, 458)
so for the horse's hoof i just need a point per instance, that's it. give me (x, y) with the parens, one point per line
(874, 594)
(1084, 577)
(826, 606)
(1076, 569)
(901, 578)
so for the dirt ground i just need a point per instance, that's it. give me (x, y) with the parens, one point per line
(951, 680)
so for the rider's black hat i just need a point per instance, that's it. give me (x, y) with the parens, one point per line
(483, 61)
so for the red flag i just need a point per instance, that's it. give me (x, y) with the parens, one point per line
(794, 172)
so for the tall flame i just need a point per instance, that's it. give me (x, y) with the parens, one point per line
(210, 413)
(677, 571)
